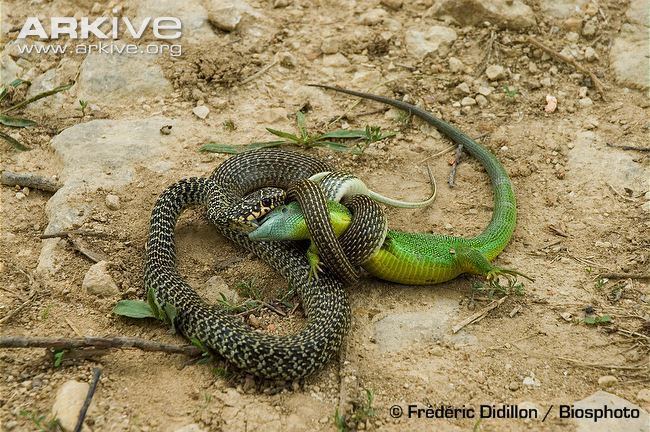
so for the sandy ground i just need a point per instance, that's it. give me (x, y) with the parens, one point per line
(581, 214)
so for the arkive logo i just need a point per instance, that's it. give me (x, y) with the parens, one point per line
(162, 28)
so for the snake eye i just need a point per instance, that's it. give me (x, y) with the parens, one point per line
(284, 210)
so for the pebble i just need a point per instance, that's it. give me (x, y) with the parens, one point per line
(572, 37)
(329, 46)
(481, 100)
(254, 321)
(192, 427)
(277, 4)
(463, 88)
(646, 207)
(201, 111)
(468, 101)
(585, 102)
(392, 4)
(336, 60)
(288, 60)
(68, 402)
(531, 382)
(495, 72)
(113, 202)
(545, 82)
(10, 425)
(485, 90)
(20, 196)
(590, 54)
(373, 16)
(513, 386)
(589, 29)
(455, 65)
(606, 381)
(225, 18)
(582, 92)
(99, 282)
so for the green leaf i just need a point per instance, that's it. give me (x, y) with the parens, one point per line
(39, 96)
(597, 320)
(345, 134)
(283, 134)
(16, 121)
(300, 119)
(14, 142)
(134, 309)
(15, 83)
(170, 314)
(152, 301)
(58, 358)
(238, 148)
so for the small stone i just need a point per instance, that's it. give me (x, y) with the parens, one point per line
(392, 4)
(112, 202)
(481, 100)
(495, 72)
(419, 43)
(589, 29)
(254, 321)
(288, 60)
(551, 104)
(566, 316)
(582, 92)
(99, 282)
(585, 102)
(513, 386)
(545, 82)
(336, 60)
(373, 16)
(646, 207)
(201, 111)
(606, 381)
(68, 402)
(572, 37)
(329, 46)
(192, 427)
(484, 90)
(463, 88)
(468, 101)
(166, 130)
(277, 4)
(573, 24)
(590, 54)
(249, 383)
(20, 196)
(531, 382)
(455, 65)
(225, 18)
(602, 244)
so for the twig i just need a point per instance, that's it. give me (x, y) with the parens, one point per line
(89, 397)
(33, 181)
(601, 366)
(488, 54)
(628, 147)
(620, 194)
(73, 232)
(452, 174)
(479, 315)
(440, 153)
(11, 314)
(80, 246)
(625, 275)
(259, 72)
(96, 342)
(597, 83)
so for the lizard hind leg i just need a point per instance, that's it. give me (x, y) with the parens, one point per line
(473, 261)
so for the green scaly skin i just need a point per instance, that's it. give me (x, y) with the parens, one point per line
(423, 258)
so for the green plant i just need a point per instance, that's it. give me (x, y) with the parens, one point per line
(42, 423)
(83, 104)
(249, 289)
(510, 92)
(353, 141)
(147, 309)
(361, 413)
(597, 319)
(229, 125)
(494, 287)
(18, 122)
(58, 357)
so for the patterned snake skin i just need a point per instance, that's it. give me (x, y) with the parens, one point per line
(324, 300)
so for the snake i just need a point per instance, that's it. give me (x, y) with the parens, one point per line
(417, 258)
(224, 194)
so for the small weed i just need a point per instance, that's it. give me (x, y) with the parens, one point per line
(353, 141)
(494, 287)
(249, 289)
(42, 423)
(17, 122)
(83, 104)
(600, 282)
(224, 373)
(45, 313)
(510, 92)
(361, 413)
(229, 125)
(597, 319)
(339, 421)
(58, 357)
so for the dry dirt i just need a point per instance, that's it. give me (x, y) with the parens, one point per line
(579, 216)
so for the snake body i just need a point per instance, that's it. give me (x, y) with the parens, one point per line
(324, 300)
(423, 258)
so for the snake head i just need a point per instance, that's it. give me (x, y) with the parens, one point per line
(285, 222)
(246, 215)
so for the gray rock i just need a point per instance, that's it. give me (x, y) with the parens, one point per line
(67, 404)
(192, 14)
(227, 14)
(329, 46)
(373, 16)
(106, 154)
(638, 12)
(422, 42)
(495, 72)
(562, 8)
(392, 4)
(455, 65)
(600, 398)
(590, 155)
(9, 70)
(607, 380)
(215, 286)
(631, 69)
(201, 111)
(511, 14)
(402, 330)
(119, 79)
(590, 28)
(336, 60)
(468, 101)
(99, 282)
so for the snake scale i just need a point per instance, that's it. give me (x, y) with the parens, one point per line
(324, 301)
